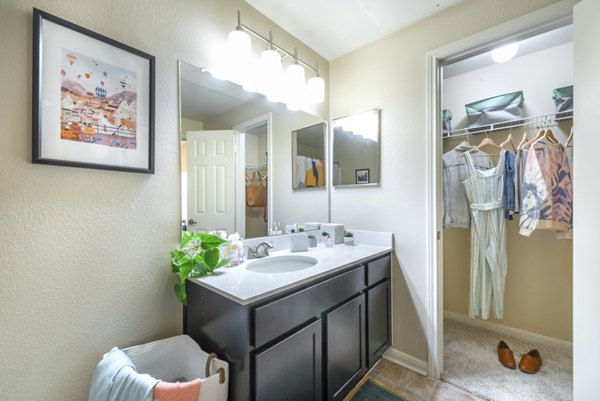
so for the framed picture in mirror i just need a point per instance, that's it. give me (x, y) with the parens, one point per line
(362, 176)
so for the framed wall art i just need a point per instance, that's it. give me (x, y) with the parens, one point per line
(93, 99)
(362, 176)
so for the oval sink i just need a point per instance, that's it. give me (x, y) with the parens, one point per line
(281, 264)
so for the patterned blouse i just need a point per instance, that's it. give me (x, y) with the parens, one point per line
(547, 191)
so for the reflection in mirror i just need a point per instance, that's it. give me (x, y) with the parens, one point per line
(356, 149)
(226, 135)
(308, 152)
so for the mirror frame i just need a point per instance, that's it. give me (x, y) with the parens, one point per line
(325, 156)
(377, 112)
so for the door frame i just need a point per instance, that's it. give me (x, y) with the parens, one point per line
(545, 19)
(240, 180)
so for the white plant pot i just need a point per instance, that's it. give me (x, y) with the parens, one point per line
(349, 241)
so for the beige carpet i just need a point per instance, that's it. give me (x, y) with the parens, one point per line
(471, 363)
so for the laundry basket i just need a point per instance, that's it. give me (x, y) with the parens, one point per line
(180, 358)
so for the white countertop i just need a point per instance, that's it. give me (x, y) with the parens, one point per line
(246, 286)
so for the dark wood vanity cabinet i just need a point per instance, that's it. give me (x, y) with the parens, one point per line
(310, 343)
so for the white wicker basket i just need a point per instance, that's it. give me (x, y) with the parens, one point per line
(180, 358)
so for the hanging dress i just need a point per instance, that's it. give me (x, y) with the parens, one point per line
(485, 190)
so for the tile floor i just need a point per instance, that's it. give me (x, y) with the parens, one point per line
(415, 387)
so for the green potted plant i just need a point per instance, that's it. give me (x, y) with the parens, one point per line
(197, 256)
(348, 238)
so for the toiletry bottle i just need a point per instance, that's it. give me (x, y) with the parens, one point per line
(234, 250)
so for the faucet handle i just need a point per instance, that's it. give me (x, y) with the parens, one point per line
(251, 252)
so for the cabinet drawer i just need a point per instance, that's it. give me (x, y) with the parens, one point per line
(378, 270)
(278, 317)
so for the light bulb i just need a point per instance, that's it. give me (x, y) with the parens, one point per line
(505, 53)
(270, 62)
(295, 85)
(315, 90)
(238, 54)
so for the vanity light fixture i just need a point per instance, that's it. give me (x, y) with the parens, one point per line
(270, 69)
(315, 88)
(505, 53)
(238, 53)
(295, 84)
(267, 76)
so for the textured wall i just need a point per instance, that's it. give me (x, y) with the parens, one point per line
(84, 253)
(391, 74)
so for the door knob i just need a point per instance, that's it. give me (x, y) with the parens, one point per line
(192, 222)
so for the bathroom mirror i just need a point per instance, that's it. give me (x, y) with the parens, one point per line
(226, 135)
(356, 149)
(308, 157)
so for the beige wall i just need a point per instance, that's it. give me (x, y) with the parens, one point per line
(391, 74)
(539, 284)
(188, 124)
(84, 253)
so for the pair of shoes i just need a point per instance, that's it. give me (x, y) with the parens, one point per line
(529, 363)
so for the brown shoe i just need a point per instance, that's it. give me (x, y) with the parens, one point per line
(531, 362)
(505, 355)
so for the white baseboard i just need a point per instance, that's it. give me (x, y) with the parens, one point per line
(403, 359)
(499, 328)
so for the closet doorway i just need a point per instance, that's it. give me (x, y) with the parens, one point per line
(524, 312)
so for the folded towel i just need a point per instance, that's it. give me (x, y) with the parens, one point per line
(188, 391)
(116, 379)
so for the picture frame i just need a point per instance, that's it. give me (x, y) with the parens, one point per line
(362, 176)
(93, 99)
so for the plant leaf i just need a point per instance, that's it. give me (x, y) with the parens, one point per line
(211, 257)
(180, 293)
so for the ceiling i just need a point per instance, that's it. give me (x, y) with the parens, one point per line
(334, 28)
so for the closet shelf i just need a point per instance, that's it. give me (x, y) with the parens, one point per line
(543, 120)
(256, 166)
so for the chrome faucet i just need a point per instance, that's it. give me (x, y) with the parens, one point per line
(259, 251)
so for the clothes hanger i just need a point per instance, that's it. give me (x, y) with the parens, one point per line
(570, 138)
(550, 136)
(509, 141)
(521, 144)
(485, 142)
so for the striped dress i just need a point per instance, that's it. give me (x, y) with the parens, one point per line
(485, 191)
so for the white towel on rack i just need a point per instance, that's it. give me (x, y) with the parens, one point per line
(302, 162)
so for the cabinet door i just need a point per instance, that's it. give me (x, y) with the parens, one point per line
(345, 347)
(291, 369)
(378, 321)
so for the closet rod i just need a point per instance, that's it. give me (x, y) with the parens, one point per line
(543, 120)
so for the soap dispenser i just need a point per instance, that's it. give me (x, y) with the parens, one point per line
(327, 240)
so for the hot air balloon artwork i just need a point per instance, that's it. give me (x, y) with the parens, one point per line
(99, 97)
(94, 98)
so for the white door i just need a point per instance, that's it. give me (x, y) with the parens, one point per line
(211, 158)
(586, 213)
